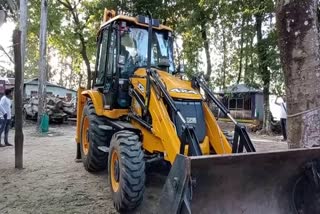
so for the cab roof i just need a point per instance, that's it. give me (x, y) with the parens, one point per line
(135, 21)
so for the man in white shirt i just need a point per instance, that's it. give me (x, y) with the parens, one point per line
(283, 116)
(5, 116)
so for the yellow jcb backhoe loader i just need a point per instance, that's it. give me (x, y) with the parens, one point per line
(141, 110)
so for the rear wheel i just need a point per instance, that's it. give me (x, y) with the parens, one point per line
(91, 137)
(126, 170)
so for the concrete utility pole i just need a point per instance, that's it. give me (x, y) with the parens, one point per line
(43, 62)
(19, 40)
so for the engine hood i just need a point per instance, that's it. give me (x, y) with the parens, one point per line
(176, 87)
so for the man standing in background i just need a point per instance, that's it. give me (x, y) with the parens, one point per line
(283, 116)
(5, 117)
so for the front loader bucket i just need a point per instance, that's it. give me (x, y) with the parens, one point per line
(250, 183)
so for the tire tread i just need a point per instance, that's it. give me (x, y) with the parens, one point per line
(132, 170)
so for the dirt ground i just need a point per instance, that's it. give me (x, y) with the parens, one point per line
(52, 182)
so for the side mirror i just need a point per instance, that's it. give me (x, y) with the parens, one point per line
(164, 62)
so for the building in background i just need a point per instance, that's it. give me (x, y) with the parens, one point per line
(31, 86)
(8, 82)
(243, 101)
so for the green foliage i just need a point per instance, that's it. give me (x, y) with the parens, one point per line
(230, 27)
(10, 7)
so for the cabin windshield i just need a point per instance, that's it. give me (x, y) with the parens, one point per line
(134, 49)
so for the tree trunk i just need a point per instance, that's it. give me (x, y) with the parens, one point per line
(264, 71)
(248, 77)
(42, 63)
(18, 137)
(246, 71)
(86, 60)
(241, 51)
(80, 80)
(247, 52)
(207, 50)
(252, 73)
(19, 41)
(62, 71)
(297, 24)
(2, 17)
(224, 65)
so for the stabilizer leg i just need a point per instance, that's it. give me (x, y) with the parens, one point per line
(78, 154)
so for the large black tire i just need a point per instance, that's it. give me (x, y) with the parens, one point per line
(126, 168)
(93, 159)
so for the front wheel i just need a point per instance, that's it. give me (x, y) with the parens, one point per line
(126, 170)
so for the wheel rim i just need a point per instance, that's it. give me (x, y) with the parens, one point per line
(115, 171)
(85, 135)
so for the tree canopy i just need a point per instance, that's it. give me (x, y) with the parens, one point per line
(229, 41)
(220, 38)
